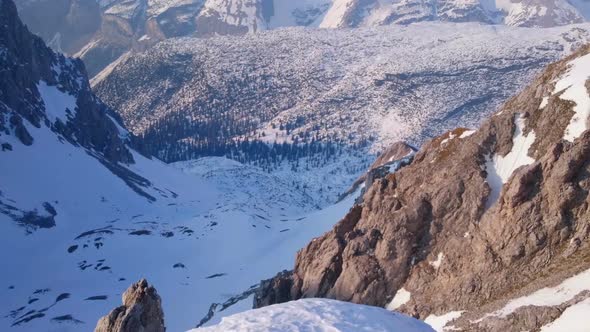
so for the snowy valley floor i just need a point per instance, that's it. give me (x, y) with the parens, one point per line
(216, 229)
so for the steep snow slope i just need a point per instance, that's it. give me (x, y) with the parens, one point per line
(318, 315)
(360, 90)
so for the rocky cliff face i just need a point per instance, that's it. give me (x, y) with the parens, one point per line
(48, 89)
(45, 98)
(477, 221)
(141, 312)
(393, 158)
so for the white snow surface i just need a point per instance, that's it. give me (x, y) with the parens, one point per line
(223, 225)
(573, 319)
(550, 296)
(301, 12)
(439, 322)
(573, 85)
(362, 13)
(402, 296)
(321, 315)
(334, 17)
(500, 168)
(56, 102)
(439, 259)
(467, 133)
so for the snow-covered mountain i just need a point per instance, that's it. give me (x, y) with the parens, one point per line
(102, 31)
(300, 90)
(82, 212)
(529, 13)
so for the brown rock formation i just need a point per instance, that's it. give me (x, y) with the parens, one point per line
(394, 154)
(141, 312)
(434, 228)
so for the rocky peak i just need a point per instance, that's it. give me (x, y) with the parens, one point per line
(141, 312)
(43, 88)
(478, 219)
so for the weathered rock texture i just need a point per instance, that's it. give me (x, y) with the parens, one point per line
(396, 156)
(141, 312)
(25, 61)
(431, 229)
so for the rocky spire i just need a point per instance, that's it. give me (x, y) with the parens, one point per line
(141, 312)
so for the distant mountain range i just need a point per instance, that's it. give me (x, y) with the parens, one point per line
(101, 31)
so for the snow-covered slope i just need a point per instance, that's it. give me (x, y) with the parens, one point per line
(360, 90)
(318, 315)
(208, 237)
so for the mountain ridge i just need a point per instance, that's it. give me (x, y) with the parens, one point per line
(434, 241)
(101, 32)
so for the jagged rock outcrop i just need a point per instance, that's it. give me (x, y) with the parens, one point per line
(478, 218)
(396, 156)
(141, 312)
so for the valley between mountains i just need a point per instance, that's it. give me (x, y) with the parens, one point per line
(265, 166)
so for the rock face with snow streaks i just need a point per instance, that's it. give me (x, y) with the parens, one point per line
(46, 88)
(432, 239)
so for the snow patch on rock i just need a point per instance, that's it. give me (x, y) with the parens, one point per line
(500, 168)
(436, 264)
(56, 102)
(570, 320)
(467, 133)
(401, 297)
(544, 103)
(573, 85)
(438, 322)
(550, 296)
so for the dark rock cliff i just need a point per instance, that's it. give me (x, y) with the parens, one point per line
(26, 62)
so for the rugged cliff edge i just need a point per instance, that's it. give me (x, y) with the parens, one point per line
(477, 223)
